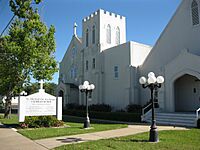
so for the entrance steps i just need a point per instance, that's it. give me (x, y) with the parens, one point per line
(174, 119)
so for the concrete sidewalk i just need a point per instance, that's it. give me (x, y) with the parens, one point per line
(11, 140)
(132, 129)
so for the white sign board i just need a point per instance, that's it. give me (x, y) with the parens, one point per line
(40, 104)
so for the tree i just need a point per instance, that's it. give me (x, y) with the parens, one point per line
(33, 88)
(27, 51)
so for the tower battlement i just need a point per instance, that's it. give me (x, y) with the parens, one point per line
(103, 12)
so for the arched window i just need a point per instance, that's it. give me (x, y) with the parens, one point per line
(93, 35)
(195, 12)
(87, 37)
(86, 65)
(74, 52)
(108, 34)
(117, 36)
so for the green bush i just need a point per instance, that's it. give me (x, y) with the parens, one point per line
(100, 108)
(115, 116)
(73, 106)
(198, 123)
(134, 108)
(41, 121)
(1, 107)
(94, 107)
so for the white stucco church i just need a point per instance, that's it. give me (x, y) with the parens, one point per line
(104, 57)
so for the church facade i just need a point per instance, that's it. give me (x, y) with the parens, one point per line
(104, 57)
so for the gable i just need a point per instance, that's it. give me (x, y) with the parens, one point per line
(178, 34)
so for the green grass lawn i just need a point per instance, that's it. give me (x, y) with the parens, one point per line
(75, 127)
(12, 121)
(169, 140)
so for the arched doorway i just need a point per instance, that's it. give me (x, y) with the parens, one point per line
(187, 93)
(61, 94)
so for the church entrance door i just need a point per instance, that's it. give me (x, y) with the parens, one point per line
(187, 93)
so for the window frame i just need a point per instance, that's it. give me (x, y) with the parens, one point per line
(93, 34)
(116, 72)
(86, 65)
(108, 34)
(191, 13)
(117, 36)
(87, 38)
(93, 63)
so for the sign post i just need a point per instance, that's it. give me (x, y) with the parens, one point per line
(40, 104)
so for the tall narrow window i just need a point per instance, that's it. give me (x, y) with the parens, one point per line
(87, 37)
(72, 72)
(195, 12)
(93, 35)
(93, 63)
(75, 72)
(117, 36)
(116, 72)
(86, 65)
(73, 52)
(108, 34)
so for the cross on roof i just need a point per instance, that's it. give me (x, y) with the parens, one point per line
(41, 84)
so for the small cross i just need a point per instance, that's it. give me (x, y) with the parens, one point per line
(41, 84)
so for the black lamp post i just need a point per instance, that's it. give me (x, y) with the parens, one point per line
(86, 88)
(152, 83)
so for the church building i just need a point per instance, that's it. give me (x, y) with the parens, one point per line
(104, 57)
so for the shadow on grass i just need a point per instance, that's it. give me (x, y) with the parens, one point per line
(131, 140)
(9, 125)
(70, 140)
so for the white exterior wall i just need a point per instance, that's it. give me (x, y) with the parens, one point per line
(100, 19)
(117, 90)
(178, 35)
(175, 54)
(89, 53)
(65, 71)
(138, 54)
(68, 62)
(114, 21)
(123, 91)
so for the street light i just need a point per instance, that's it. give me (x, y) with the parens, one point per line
(86, 87)
(152, 83)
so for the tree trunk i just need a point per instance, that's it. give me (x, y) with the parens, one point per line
(7, 113)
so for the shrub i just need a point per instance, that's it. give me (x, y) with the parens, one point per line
(134, 108)
(116, 116)
(198, 123)
(100, 108)
(41, 121)
(1, 107)
(73, 106)
(94, 107)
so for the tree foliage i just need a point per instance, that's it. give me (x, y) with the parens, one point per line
(33, 88)
(27, 50)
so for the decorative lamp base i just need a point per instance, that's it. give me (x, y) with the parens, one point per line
(87, 123)
(153, 135)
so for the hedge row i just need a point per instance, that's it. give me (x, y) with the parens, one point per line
(41, 121)
(116, 116)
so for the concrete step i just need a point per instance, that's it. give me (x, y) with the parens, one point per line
(172, 117)
(177, 119)
(173, 123)
(176, 115)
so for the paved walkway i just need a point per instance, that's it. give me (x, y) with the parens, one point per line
(11, 140)
(132, 129)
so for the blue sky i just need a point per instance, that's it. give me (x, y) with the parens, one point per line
(145, 19)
